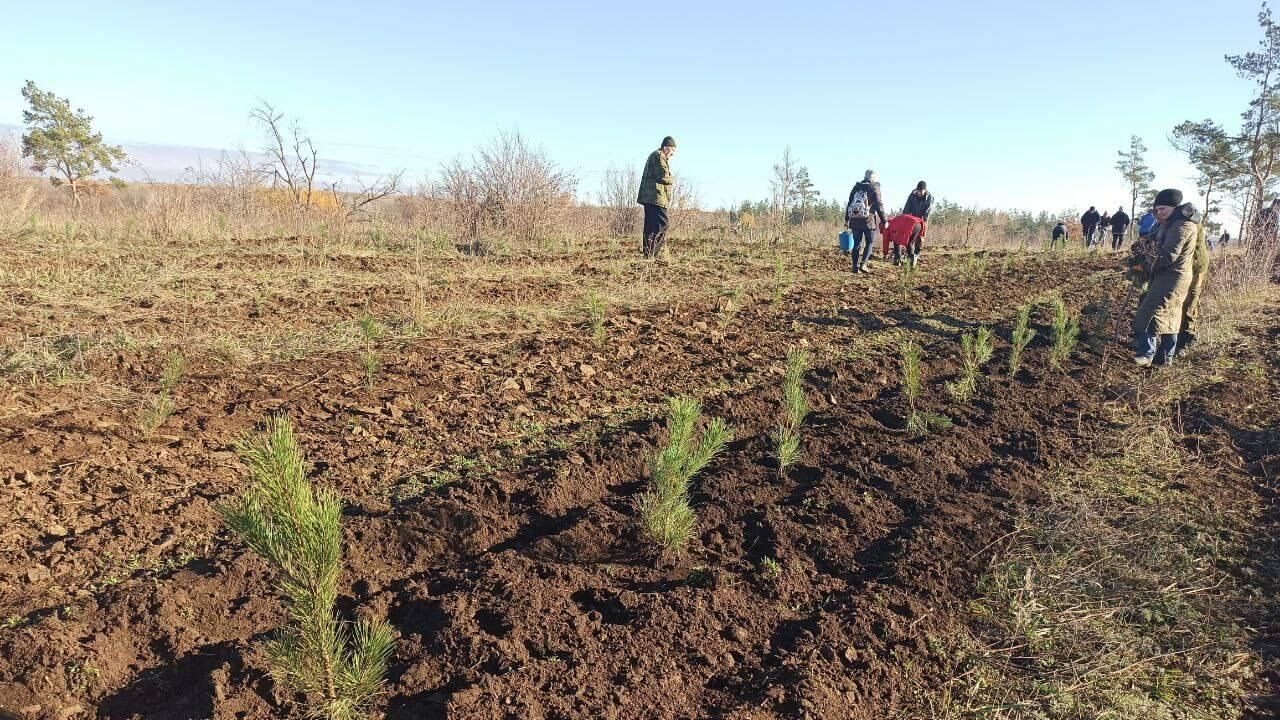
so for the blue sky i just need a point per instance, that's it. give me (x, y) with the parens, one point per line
(1002, 104)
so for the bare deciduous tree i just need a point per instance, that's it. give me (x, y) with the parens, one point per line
(293, 155)
(785, 176)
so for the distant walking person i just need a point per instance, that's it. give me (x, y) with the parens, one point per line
(1225, 239)
(1104, 224)
(1089, 223)
(655, 196)
(1119, 224)
(1060, 235)
(864, 214)
(1166, 261)
(919, 202)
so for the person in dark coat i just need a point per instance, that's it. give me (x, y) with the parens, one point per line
(1089, 223)
(1225, 239)
(1166, 262)
(919, 202)
(655, 195)
(1060, 235)
(1119, 224)
(864, 214)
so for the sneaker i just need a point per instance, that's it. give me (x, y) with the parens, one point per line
(864, 269)
(1142, 361)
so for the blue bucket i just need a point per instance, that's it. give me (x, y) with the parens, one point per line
(846, 242)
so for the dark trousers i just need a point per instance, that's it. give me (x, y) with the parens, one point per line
(1117, 239)
(655, 230)
(913, 246)
(1088, 235)
(864, 238)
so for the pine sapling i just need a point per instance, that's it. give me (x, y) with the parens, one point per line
(795, 407)
(339, 667)
(1065, 333)
(596, 309)
(975, 350)
(665, 511)
(779, 280)
(1019, 339)
(161, 407)
(370, 360)
(919, 422)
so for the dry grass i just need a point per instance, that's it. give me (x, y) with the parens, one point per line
(1122, 597)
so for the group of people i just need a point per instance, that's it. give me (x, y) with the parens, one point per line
(1096, 224)
(864, 215)
(1169, 260)
(904, 233)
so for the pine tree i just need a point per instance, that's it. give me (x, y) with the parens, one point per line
(62, 141)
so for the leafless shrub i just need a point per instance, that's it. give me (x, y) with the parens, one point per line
(11, 169)
(618, 191)
(507, 187)
(235, 182)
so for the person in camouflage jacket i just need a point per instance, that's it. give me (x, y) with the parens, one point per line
(655, 195)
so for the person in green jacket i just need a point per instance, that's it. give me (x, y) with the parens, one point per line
(1191, 306)
(655, 195)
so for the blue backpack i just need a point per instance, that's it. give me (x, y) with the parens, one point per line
(1146, 224)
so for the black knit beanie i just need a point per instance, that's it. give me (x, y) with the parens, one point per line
(920, 185)
(1168, 198)
(668, 141)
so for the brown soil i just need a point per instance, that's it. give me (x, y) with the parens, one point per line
(522, 588)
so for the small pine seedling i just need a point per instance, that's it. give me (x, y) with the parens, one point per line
(910, 357)
(666, 512)
(779, 280)
(795, 407)
(370, 329)
(1065, 332)
(175, 366)
(596, 315)
(918, 422)
(371, 363)
(906, 278)
(159, 408)
(295, 529)
(975, 350)
(1020, 338)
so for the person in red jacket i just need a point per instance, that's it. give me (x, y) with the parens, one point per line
(905, 231)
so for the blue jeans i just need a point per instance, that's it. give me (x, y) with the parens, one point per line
(861, 235)
(1160, 348)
